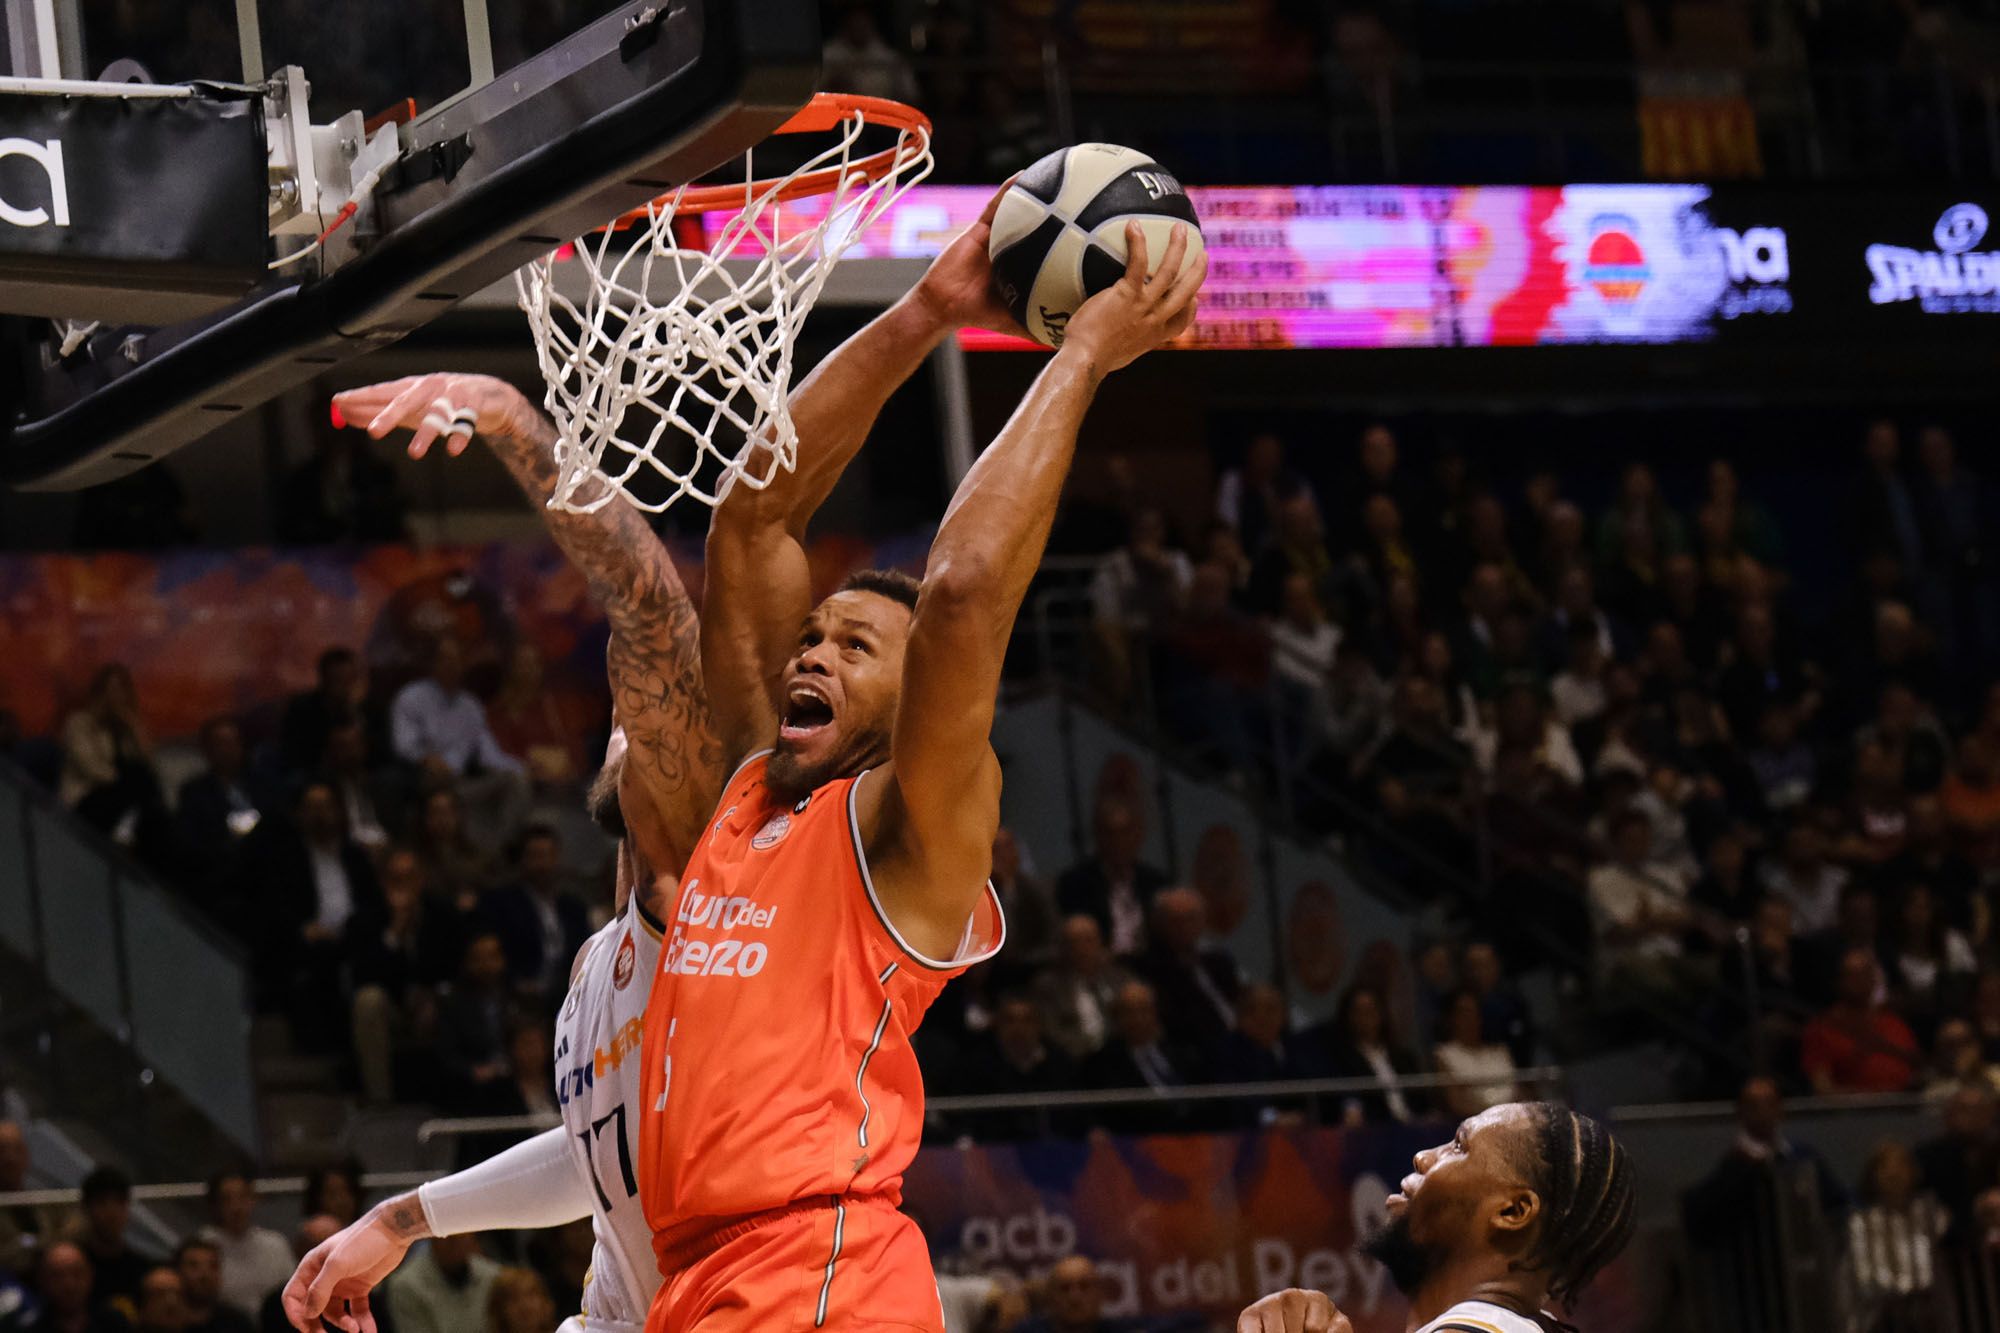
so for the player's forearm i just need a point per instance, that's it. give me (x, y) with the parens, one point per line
(626, 566)
(993, 535)
(531, 1185)
(836, 407)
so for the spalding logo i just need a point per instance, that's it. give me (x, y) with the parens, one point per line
(773, 832)
(625, 963)
(1056, 322)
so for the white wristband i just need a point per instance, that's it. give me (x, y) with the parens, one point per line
(531, 1185)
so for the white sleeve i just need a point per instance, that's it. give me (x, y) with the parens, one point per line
(531, 1185)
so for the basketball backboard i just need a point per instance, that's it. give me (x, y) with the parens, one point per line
(496, 130)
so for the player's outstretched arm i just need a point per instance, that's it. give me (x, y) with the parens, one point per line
(531, 1185)
(759, 586)
(654, 658)
(929, 827)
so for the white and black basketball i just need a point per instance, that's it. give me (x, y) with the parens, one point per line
(1059, 234)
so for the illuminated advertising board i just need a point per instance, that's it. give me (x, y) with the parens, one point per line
(1501, 266)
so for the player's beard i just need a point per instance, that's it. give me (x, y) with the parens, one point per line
(792, 779)
(1409, 1263)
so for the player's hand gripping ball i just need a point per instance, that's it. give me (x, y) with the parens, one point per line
(1059, 234)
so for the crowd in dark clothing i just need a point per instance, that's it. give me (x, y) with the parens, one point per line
(1615, 744)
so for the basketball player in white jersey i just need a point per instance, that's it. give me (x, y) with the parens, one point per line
(1517, 1213)
(660, 779)
(665, 788)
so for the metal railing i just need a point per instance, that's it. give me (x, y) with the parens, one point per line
(104, 941)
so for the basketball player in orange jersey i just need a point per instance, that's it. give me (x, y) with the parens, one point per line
(842, 880)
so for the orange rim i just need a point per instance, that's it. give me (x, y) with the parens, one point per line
(826, 112)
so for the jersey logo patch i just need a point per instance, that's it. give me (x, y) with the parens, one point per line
(623, 965)
(773, 832)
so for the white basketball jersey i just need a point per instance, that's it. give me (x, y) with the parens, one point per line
(597, 1085)
(1485, 1317)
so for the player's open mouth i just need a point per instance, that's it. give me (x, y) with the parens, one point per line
(807, 712)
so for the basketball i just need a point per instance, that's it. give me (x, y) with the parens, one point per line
(1059, 235)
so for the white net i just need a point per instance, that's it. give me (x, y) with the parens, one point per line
(670, 374)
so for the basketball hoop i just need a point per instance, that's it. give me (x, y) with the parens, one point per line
(703, 351)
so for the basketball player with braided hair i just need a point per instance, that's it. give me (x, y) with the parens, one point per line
(1525, 1205)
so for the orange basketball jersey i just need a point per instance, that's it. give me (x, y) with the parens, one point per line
(777, 1049)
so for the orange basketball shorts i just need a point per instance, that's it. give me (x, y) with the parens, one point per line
(840, 1264)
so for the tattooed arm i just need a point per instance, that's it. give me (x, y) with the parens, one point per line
(673, 768)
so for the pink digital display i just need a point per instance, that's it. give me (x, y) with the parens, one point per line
(1432, 266)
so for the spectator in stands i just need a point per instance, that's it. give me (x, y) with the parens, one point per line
(1357, 1043)
(446, 1287)
(1462, 1052)
(520, 1302)
(366, 799)
(1639, 910)
(1857, 1044)
(1072, 1300)
(1880, 512)
(439, 728)
(313, 1231)
(1766, 1185)
(1521, 722)
(1963, 1162)
(1639, 509)
(1377, 471)
(474, 1018)
(1437, 663)
(1857, 925)
(1897, 652)
(23, 1227)
(1212, 671)
(217, 808)
(457, 869)
(70, 1301)
(1248, 496)
(1930, 855)
(1138, 589)
(1760, 673)
(163, 1302)
(1970, 797)
(1952, 516)
(255, 1260)
(1355, 702)
(1956, 1059)
(114, 1268)
(1726, 888)
(107, 767)
(1931, 964)
(399, 956)
(303, 881)
(1012, 1058)
(1260, 1049)
(1029, 902)
(1503, 1014)
(335, 1190)
(1906, 728)
(1577, 692)
(1303, 643)
(1803, 877)
(1474, 637)
(540, 923)
(1297, 545)
(343, 493)
(311, 716)
(1773, 968)
(1195, 986)
(199, 1264)
(541, 722)
(1140, 1054)
(1113, 886)
(1222, 547)
(1076, 996)
(1564, 544)
(1891, 1245)
(1783, 765)
(856, 59)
